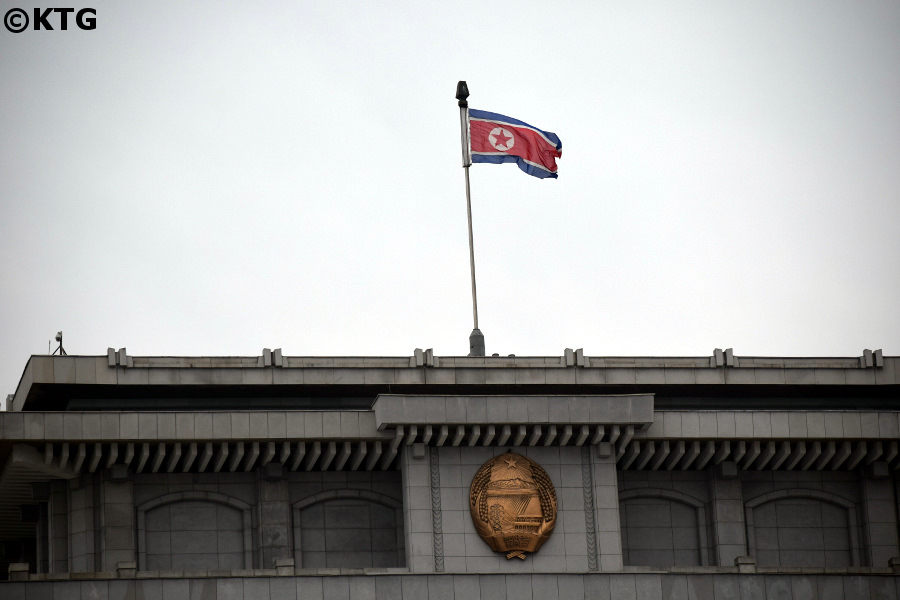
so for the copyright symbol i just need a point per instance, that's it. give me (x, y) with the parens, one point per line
(16, 20)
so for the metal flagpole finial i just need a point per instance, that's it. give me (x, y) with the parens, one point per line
(462, 92)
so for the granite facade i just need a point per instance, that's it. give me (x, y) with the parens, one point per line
(673, 502)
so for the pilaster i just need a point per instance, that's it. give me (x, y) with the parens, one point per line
(59, 526)
(274, 516)
(419, 512)
(606, 508)
(729, 529)
(880, 515)
(81, 526)
(116, 512)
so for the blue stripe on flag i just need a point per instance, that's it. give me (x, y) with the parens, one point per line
(529, 168)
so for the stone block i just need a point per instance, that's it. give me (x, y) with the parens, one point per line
(184, 426)
(438, 376)
(65, 590)
(648, 587)
(690, 425)
(414, 586)
(869, 425)
(53, 426)
(578, 409)
(132, 376)
(888, 425)
(255, 587)
(570, 476)
(465, 587)
(240, 425)
(726, 587)
(745, 564)
(778, 586)
(129, 428)
(597, 586)
(725, 424)
(569, 587)
(307, 587)
(476, 410)
(221, 425)
(440, 587)
(538, 409)
(797, 427)
(349, 424)
(883, 588)
(18, 571)
(13, 425)
(147, 426)
(780, 425)
(173, 589)
(151, 589)
(518, 586)
(752, 587)
(331, 424)
(203, 426)
(617, 410)
(349, 377)
(529, 376)
(762, 424)
(517, 410)
(71, 426)
(63, 369)
(803, 587)
(610, 563)
(493, 587)
(259, 425)
(367, 427)
(205, 589)
(32, 425)
(312, 425)
(387, 586)
(815, 424)
(281, 589)
(671, 424)
(125, 590)
(544, 586)
(799, 376)
(674, 587)
(622, 586)
(708, 424)
(743, 424)
(700, 587)
(830, 587)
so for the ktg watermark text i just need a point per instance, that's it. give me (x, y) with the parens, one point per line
(49, 19)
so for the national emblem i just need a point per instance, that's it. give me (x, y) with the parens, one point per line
(513, 504)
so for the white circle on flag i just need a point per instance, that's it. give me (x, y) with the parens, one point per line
(501, 139)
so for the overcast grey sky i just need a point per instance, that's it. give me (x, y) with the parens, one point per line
(213, 177)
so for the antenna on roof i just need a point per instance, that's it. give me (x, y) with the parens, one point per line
(60, 349)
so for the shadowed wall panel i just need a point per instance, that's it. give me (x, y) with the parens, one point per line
(347, 532)
(659, 532)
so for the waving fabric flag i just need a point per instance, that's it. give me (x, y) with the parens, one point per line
(498, 139)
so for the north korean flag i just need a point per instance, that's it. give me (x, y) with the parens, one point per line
(498, 139)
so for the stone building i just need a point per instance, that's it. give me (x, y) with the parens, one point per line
(228, 478)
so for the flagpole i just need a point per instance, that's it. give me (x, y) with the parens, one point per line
(476, 338)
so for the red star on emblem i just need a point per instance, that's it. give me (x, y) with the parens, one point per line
(502, 139)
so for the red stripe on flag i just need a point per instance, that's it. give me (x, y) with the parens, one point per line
(526, 143)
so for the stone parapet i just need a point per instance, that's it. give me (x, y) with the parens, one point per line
(260, 585)
(254, 372)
